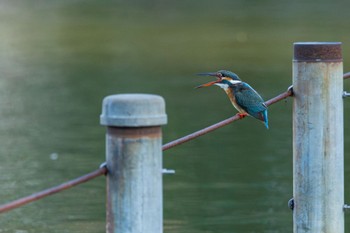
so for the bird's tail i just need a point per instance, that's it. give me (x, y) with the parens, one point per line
(266, 120)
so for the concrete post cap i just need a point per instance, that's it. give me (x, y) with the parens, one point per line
(317, 51)
(133, 110)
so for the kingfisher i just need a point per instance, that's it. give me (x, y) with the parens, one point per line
(242, 96)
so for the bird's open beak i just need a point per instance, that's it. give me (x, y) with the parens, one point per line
(209, 83)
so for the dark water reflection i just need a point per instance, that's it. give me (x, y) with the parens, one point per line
(60, 58)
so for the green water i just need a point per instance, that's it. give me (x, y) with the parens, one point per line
(59, 59)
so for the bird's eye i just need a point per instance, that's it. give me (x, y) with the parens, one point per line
(219, 75)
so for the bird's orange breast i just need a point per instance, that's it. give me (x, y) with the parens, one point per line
(232, 98)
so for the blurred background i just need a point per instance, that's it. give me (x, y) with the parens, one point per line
(59, 59)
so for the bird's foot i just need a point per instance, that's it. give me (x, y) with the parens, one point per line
(242, 115)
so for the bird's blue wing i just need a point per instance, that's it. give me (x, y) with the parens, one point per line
(249, 100)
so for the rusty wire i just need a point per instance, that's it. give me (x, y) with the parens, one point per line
(103, 169)
(346, 75)
(69, 184)
(220, 124)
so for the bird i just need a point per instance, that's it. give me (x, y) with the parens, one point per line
(242, 96)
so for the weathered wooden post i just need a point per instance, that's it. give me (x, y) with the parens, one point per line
(318, 146)
(134, 162)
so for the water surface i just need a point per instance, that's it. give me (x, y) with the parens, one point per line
(60, 58)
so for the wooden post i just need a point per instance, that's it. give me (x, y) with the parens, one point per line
(318, 145)
(134, 162)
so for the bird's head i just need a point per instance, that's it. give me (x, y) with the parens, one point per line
(224, 79)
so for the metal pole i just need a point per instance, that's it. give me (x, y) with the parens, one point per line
(134, 162)
(318, 146)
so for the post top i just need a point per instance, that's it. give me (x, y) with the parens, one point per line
(133, 110)
(318, 51)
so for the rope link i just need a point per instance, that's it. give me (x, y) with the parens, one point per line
(39, 195)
